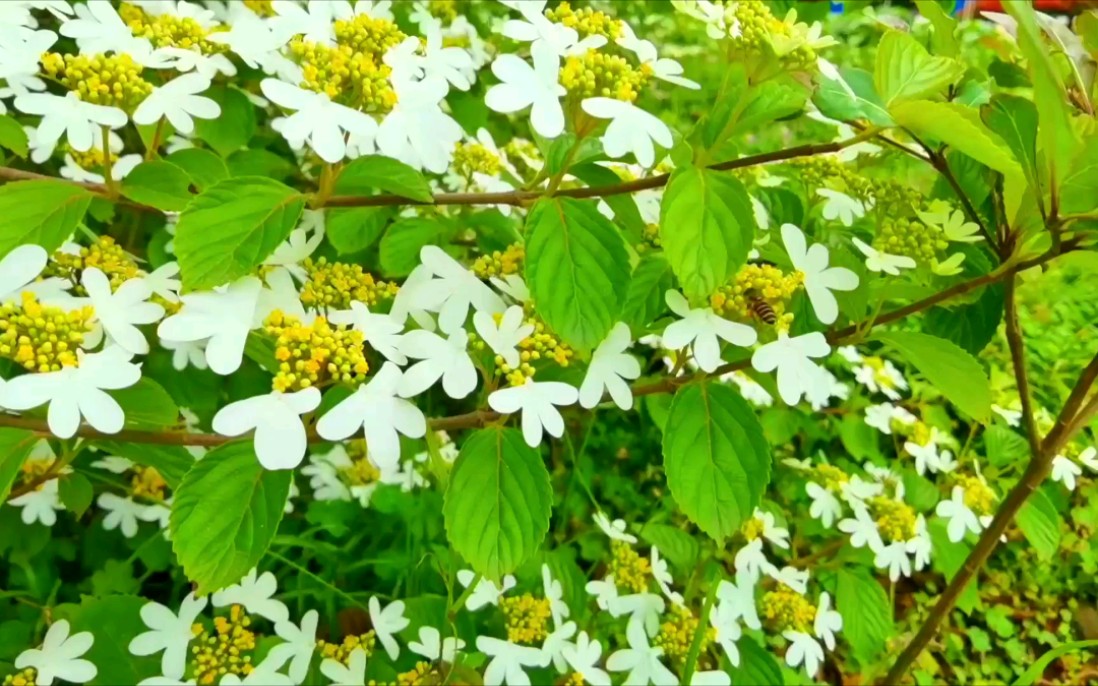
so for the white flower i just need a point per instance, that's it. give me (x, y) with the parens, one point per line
(920, 546)
(545, 35)
(1011, 417)
(168, 632)
(523, 86)
(376, 408)
(881, 416)
(792, 357)
(387, 622)
(702, 327)
(554, 593)
(862, 529)
(840, 206)
(187, 354)
(302, 242)
(552, 648)
(511, 285)
(417, 131)
(894, 558)
(351, 674)
(537, 401)
(662, 575)
(298, 647)
(882, 378)
(381, 331)
(960, 519)
(740, 598)
(827, 622)
(432, 646)
(67, 115)
(609, 369)
(751, 391)
(317, 120)
(486, 592)
(631, 129)
(605, 591)
(1089, 457)
(441, 358)
(507, 661)
(255, 592)
(615, 529)
(803, 649)
(819, 279)
(503, 333)
(825, 506)
(447, 287)
(751, 560)
(224, 316)
(122, 310)
(18, 270)
(59, 656)
(40, 505)
(583, 657)
(77, 392)
(98, 28)
(926, 456)
(665, 69)
(162, 281)
(280, 439)
(796, 579)
(206, 66)
(722, 617)
(179, 102)
(876, 261)
(1063, 471)
(644, 610)
(114, 464)
(641, 660)
(122, 513)
(953, 225)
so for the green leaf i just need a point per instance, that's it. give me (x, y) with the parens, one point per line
(716, 457)
(15, 445)
(959, 127)
(172, 461)
(858, 100)
(623, 204)
(674, 544)
(158, 184)
(259, 163)
(114, 621)
(230, 229)
(757, 666)
(919, 492)
(498, 502)
(706, 228)
(1036, 670)
(204, 167)
(970, 326)
(224, 515)
(906, 71)
(644, 298)
(577, 269)
(232, 130)
(391, 176)
(147, 405)
(955, 373)
(947, 560)
(858, 438)
(1004, 447)
(355, 229)
(44, 213)
(866, 612)
(942, 40)
(400, 245)
(1040, 523)
(743, 107)
(1014, 120)
(76, 493)
(1079, 185)
(12, 136)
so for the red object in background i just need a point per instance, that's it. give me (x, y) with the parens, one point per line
(1066, 6)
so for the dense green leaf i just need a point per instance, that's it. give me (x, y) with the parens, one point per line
(1005, 447)
(942, 40)
(76, 493)
(644, 299)
(919, 492)
(970, 326)
(498, 502)
(1040, 523)
(12, 136)
(232, 130)
(947, 560)
(44, 213)
(1079, 185)
(15, 445)
(259, 163)
(955, 373)
(171, 461)
(224, 515)
(742, 107)
(674, 544)
(232, 227)
(959, 127)
(1014, 120)
(158, 184)
(624, 205)
(757, 665)
(577, 269)
(401, 243)
(147, 405)
(357, 228)
(204, 167)
(858, 438)
(855, 100)
(114, 621)
(391, 176)
(716, 457)
(906, 71)
(706, 228)
(866, 612)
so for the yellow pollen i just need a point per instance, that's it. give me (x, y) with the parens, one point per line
(756, 283)
(420, 675)
(34, 469)
(147, 483)
(225, 650)
(509, 261)
(474, 157)
(895, 519)
(785, 609)
(677, 633)
(752, 528)
(41, 338)
(342, 651)
(27, 677)
(104, 254)
(362, 472)
(333, 285)
(356, 79)
(314, 355)
(586, 21)
(169, 31)
(978, 496)
(263, 8)
(526, 618)
(630, 570)
(597, 74)
(830, 477)
(114, 80)
(445, 10)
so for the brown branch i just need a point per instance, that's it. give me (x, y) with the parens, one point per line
(1021, 376)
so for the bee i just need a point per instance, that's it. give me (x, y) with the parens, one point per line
(760, 308)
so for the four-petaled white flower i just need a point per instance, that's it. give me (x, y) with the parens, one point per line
(610, 367)
(662, 68)
(179, 102)
(702, 327)
(537, 87)
(583, 657)
(631, 129)
(508, 661)
(952, 223)
(877, 261)
(440, 358)
(60, 656)
(722, 617)
(503, 333)
(122, 513)
(641, 660)
(803, 649)
(386, 622)
(819, 279)
(223, 316)
(554, 593)
(122, 310)
(538, 402)
(486, 592)
(432, 646)
(838, 205)
(798, 375)
(827, 622)
(169, 632)
(447, 287)
(67, 115)
(644, 610)
(960, 519)
(662, 575)
(825, 506)
(614, 529)
(317, 120)
(280, 439)
(162, 281)
(1064, 471)
(417, 131)
(740, 598)
(351, 674)
(40, 505)
(299, 643)
(256, 593)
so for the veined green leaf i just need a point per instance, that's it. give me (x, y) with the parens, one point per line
(353, 229)
(402, 241)
(866, 612)
(231, 131)
(44, 213)
(12, 136)
(15, 445)
(942, 40)
(171, 461)
(906, 71)
(389, 175)
(158, 184)
(147, 405)
(960, 128)
(950, 369)
(1040, 523)
(204, 167)
(1014, 120)
(644, 299)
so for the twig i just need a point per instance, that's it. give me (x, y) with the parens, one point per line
(1021, 377)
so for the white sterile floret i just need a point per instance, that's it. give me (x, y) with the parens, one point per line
(840, 206)
(386, 622)
(313, 21)
(381, 331)
(545, 35)
(798, 375)
(827, 622)
(301, 243)
(959, 518)
(169, 632)
(819, 278)
(445, 286)
(952, 223)
(503, 334)
(67, 115)
(1064, 471)
(317, 120)
(605, 591)
(508, 661)
(881, 416)
(206, 66)
(631, 129)
(376, 409)
(224, 316)
(610, 370)
(485, 592)
(280, 439)
(552, 648)
(537, 87)
(432, 646)
(440, 358)
(1089, 458)
(662, 575)
(122, 513)
(77, 392)
(122, 310)
(583, 657)
(351, 674)
(722, 618)
(641, 661)
(162, 281)
(255, 592)
(701, 327)
(538, 402)
(179, 102)
(19, 269)
(803, 649)
(60, 656)
(417, 131)
(40, 505)
(825, 506)
(1011, 417)
(21, 49)
(187, 354)
(613, 529)
(451, 65)
(740, 599)
(98, 28)
(643, 609)
(665, 69)
(299, 644)
(877, 261)
(554, 593)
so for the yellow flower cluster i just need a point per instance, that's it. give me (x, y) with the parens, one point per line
(677, 633)
(978, 496)
(369, 35)
(826, 171)
(651, 236)
(446, 10)
(420, 675)
(540, 345)
(894, 199)
(316, 354)
(786, 610)
(333, 285)
(586, 21)
(223, 651)
(147, 483)
(758, 293)
(597, 74)
(630, 570)
(752, 528)
(760, 31)
(40, 338)
(361, 472)
(526, 618)
(92, 159)
(26, 677)
(911, 238)
(168, 30)
(113, 80)
(351, 78)
(895, 519)
(474, 157)
(35, 469)
(104, 254)
(342, 651)
(830, 477)
(919, 432)
(500, 263)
